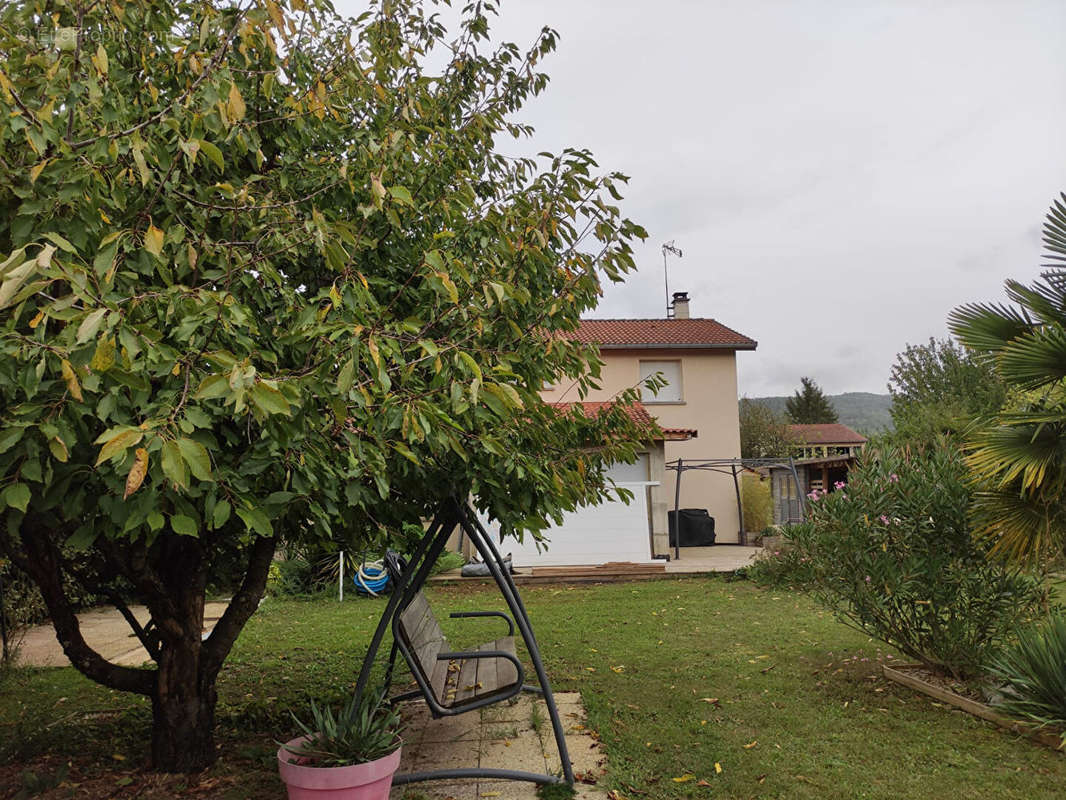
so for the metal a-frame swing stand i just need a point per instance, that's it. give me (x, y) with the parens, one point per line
(407, 587)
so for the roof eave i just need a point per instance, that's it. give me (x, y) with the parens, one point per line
(676, 346)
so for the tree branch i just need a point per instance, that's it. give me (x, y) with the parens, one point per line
(42, 564)
(240, 608)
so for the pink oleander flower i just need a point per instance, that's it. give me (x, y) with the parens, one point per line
(839, 485)
(814, 494)
(884, 519)
(893, 478)
(867, 578)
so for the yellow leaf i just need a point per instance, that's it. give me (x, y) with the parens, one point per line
(751, 744)
(717, 768)
(36, 171)
(684, 778)
(118, 444)
(372, 346)
(153, 240)
(36, 320)
(137, 472)
(100, 60)
(235, 104)
(59, 449)
(72, 380)
(620, 668)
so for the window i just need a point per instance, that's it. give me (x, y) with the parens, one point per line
(671, 372)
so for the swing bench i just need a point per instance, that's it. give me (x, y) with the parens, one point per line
(453, 682)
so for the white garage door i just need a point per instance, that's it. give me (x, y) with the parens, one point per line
(612, 531)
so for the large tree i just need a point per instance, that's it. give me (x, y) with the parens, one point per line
(1017, 457)
(266, 273)
(763, 432)
(809, 405)
(941, 387)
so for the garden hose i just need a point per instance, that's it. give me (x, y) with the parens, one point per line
(371, 578)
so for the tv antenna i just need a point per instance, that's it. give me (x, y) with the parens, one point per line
(669, 248)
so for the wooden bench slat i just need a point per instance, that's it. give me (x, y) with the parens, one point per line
(466, 689)
(506, 673)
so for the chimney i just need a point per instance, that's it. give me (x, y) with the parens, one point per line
(680, 305)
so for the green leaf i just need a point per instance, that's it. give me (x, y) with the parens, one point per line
(90, 325)
(9, 437)
(346, 376)
(256, 520)
(17, 495)
(269, 400)
(212, 152)
(401, 194)
(155, 520)
(183, 525)
(174, 465)
(195, 455)
(212, 386)
(468, 360)
(221, 513)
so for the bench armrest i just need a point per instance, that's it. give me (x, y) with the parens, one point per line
(500, 614)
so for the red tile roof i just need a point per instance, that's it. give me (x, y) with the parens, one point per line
(667, 333)
(826, 433)
(638, 413)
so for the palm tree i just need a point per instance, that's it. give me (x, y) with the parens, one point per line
(1018, 456)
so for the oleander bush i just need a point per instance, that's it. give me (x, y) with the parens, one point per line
(891, 553)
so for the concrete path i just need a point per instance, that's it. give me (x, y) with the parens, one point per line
(515, 735)
(106, 631)
(720, 558)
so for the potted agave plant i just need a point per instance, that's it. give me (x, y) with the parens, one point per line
(350, 755)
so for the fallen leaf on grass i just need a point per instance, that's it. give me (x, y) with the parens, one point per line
(717, 768)
(751, 744)
(684, 778)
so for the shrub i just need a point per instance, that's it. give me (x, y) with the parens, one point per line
(891, 553)
(786, 566)
(1033, 673)
(756, 503)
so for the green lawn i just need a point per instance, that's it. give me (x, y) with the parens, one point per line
(800, 711)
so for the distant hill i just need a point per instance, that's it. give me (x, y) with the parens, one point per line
(864, 412)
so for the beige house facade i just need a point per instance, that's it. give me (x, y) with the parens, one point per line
(697, 358)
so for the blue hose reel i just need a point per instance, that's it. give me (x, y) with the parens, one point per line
(371, 579)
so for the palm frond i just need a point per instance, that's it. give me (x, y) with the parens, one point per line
(1055, 231)
(1034, 359)
(1018, 529)
(988, 327)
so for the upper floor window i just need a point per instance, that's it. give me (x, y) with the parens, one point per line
(671, 372)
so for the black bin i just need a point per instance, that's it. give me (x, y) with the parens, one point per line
(696, 528)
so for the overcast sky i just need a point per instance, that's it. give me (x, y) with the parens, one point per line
(839, 175)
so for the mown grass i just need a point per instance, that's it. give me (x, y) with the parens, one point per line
(677, 676)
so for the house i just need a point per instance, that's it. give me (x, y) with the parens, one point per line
(613, 531)
(697, 409)
(823, 454)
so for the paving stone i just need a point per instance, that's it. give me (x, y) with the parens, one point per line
(504, 730)
(444, 755)
(451, 729)
(438, 790)
(506, 790)
(524, 753)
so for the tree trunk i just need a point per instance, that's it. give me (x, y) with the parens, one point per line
(183, 723)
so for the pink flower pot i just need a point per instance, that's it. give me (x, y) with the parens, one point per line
(370, 781)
